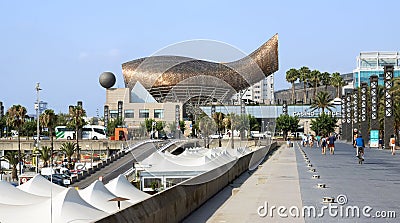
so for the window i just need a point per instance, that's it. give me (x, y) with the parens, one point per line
(158, 113)
(113, 113)
(143, 113)
(100, 131)
(129, 114)
(152, 183)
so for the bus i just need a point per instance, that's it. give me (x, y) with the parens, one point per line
(88, 132)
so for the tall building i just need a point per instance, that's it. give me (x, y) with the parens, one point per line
(261, 92)
(372, 63)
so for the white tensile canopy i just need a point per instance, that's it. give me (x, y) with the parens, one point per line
(98, 195)
(40, 186)
(11, 195)
(121, 187)
(67, 206)
(39, 200)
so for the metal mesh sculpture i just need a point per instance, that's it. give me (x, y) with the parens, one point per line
(176, 78)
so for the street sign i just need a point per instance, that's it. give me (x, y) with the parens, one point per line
(374, 138)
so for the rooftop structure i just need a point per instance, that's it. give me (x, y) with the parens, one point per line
(372, 63)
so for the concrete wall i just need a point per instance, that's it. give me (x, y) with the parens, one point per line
(174, 204)
(95, 144)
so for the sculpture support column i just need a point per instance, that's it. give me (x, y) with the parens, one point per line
(343, 121)
(364, 110)
(349, 134)
(389, 115)
(374, 123)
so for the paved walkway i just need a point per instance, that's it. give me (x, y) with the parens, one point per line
(376, 183)
(275, 182)
(286, 180)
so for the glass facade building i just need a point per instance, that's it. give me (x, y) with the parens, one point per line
(372, 63)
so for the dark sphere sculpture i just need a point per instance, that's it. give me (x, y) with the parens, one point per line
(107, 79)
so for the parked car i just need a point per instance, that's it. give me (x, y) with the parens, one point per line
(59, 179)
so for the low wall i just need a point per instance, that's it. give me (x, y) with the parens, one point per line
(27, 145)
(174, 204)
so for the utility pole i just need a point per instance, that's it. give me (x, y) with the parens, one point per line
(37, 107)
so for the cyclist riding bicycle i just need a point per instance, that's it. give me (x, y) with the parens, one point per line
(359, 143)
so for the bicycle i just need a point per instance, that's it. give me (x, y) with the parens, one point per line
(360, 154)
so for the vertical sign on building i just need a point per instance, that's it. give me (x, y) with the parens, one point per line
(1, 116)
(389, 115)
(106, 115)
(355, 109)
(284, 108)
(343, 113)
(374, 137)
(120, 104)
(177, 116)
(363, 110)
(349, 135)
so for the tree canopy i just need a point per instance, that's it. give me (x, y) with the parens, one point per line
(286, 123)
(324, 124)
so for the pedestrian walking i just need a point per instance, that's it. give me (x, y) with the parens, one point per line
(318, 140)
(304, 140)
(323, 145)
(331, 144)
(392, 143)
(311, 140)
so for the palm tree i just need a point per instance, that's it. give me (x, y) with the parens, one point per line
(219, 121)
(337, 81)
(77, 113)
(325, 79)
(12, 158)
(16, 118)
(322, 101)
(292, 76)
(49, 120)
(45, 154)
(68, 148)
(315, 78)
(304, 76)
(218, 118)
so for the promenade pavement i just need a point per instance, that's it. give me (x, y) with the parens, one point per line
(362, 193)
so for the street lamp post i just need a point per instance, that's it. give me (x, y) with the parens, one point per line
(37, 107)
(1, 168)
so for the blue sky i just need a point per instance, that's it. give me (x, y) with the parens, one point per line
(66, 45)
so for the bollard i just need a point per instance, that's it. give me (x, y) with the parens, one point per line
(328, 200)
(321, 185)
(315, 176)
